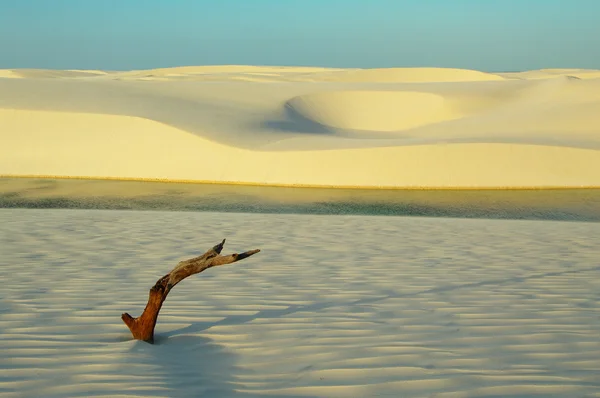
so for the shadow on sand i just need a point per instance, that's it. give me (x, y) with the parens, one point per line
(190, 366)
(241, 319)
(290, 121)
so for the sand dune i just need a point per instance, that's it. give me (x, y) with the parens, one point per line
(9, 74)
(225, 69)
(222, 73)
(551, 73)
(401, 127)
(127, 147)
(50, 74)
(373, 110)
(412, 75)
(402, 307)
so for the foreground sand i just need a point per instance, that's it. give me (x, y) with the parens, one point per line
(403, 307)
(399, 127)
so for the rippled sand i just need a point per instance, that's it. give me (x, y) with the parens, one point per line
(333, 306)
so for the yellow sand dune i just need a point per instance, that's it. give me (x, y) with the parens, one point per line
(208, 69)
(91, 71)
(71, 144)
(373, 110)
(49, 73)
(552, 73)
(438, 134)
(414, 75)
(221, 72)
(313, 74)
(9, 74)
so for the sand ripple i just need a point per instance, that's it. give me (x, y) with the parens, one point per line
(335, 306)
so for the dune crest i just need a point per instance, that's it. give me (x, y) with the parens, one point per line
(409, 75)
(211, 69)
(552, 73)
(9, 74)
(50, 73)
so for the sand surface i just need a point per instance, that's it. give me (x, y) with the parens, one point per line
(397, 127)
(402, 307)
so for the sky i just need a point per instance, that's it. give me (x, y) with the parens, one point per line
(487, 35)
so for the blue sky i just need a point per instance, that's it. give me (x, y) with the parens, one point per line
(490, 35)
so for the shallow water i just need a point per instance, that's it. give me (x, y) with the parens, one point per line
(567, 204)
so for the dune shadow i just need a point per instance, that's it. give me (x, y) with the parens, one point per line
(290, 121)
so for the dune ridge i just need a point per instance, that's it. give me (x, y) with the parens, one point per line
(9, 74)
(412, 75)
(552, 73)
(406, 128)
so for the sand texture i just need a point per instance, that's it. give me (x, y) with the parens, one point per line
(402, 307)
(396, 127)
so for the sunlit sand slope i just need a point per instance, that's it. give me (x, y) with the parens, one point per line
(373, 110)
(400, 127)
(8, 74)
(413, 75)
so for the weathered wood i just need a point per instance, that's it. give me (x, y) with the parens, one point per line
(142, 327)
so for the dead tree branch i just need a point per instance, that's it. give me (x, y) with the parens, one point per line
(142, 327)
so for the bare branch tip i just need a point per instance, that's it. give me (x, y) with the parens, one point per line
(244, 255)
(218, 248)
(128, 319)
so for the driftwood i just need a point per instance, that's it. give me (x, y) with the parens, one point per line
(142, 327)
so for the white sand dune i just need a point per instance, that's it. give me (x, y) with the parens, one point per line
(402, 307)
(399, 127)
